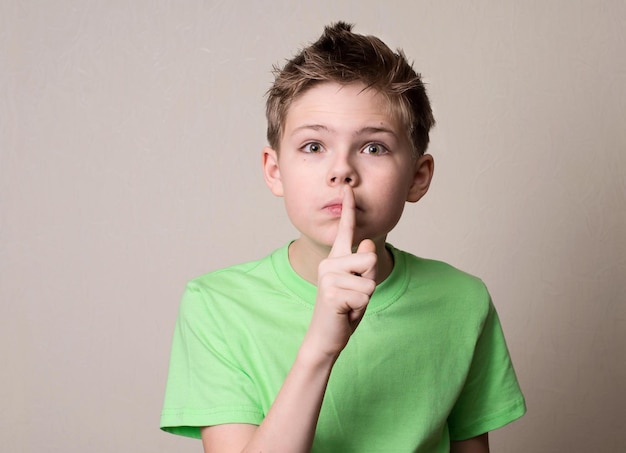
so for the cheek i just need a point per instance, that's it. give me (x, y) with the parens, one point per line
(392, 201)
(392, 192)
(296, 202)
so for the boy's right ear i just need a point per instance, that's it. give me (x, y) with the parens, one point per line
(271, 171)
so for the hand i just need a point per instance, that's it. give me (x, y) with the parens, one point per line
(346, 281)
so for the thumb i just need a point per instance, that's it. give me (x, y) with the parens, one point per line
(368, 246)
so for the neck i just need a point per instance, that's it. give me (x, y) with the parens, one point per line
(306, 256)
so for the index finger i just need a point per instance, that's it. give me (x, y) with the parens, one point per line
(345, 231)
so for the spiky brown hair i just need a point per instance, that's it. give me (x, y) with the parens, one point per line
(344, 57)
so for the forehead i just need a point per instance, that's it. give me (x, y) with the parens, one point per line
(344, 107)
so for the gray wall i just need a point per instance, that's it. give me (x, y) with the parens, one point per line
(130, 138)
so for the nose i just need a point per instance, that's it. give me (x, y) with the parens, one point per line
(342, 171)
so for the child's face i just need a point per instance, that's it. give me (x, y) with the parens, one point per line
(336, 135)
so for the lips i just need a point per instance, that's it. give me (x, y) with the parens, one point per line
(336, 203)
(335, 206)
(334, 209)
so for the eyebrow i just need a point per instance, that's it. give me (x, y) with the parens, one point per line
(375, 130)
(362, 131)
(315, 127)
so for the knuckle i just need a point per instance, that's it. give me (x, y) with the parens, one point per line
(323, 267)
(333, 292)
(363, 300)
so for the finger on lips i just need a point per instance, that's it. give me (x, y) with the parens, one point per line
(345, 231)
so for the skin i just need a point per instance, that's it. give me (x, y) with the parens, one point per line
(341, 135)
(345, 169)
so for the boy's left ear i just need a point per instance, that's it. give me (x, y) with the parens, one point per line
(423, 174)
(271, 171)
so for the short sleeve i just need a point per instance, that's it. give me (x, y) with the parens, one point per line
(206, 386)
(491, 396)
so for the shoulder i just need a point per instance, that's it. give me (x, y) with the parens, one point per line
(259, 271)
(230, 286)
(433, 271)
(444, 284)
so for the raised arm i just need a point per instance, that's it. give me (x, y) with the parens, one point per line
(345, 283)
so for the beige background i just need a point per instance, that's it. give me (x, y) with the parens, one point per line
(130, 137)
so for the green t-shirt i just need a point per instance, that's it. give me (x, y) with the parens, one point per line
(427, 364)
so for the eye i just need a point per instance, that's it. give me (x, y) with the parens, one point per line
(312, 147)
(375, 149)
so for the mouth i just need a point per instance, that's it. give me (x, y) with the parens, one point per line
(335, 207)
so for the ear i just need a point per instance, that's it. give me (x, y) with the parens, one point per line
(271, 171)
(422, 175)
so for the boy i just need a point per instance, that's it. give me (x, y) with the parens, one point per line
(338, 342)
